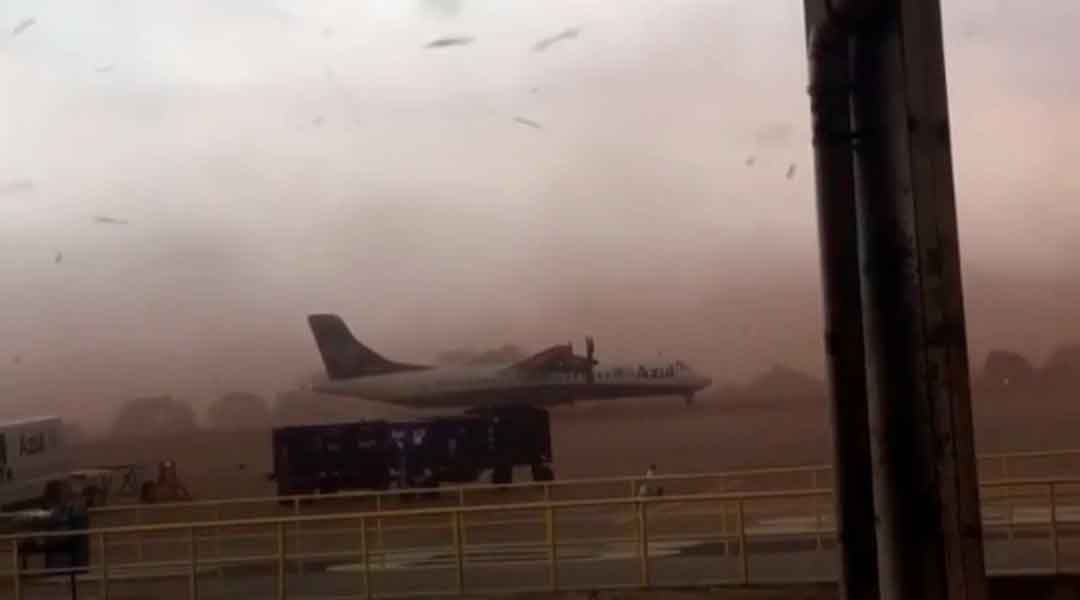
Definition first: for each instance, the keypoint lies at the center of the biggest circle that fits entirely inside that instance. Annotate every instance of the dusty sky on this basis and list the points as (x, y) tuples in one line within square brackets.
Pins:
[(278, 158)]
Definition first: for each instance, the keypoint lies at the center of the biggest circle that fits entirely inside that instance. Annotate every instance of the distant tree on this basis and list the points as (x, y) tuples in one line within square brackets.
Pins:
[(455, 357), (298, 405), (304, 407), (154, 416), (507, 353), (1059, 378), (238, 410), (782, 385), (1004, 368), (1006, 384), (1064, 358), (288, 407)]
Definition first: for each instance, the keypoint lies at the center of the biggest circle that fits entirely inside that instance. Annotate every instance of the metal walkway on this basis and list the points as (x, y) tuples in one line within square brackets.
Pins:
[(1032, 525)]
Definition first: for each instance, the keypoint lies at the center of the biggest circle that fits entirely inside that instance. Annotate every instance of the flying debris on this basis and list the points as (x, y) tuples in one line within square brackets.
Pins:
[(104, 68), (527, 122), (110, 221), (548, 42), (17, 359), (23, 26), (328, 32), (317, 121), (750, 160), (59, 257), (534, 90), (446, 42), (790, 171)]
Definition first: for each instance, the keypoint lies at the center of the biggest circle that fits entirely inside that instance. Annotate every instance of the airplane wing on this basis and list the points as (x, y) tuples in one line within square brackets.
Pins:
[(558, 359), (555, 358)]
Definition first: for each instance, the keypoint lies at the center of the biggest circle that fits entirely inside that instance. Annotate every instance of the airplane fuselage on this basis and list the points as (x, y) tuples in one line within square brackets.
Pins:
[(494, 385)]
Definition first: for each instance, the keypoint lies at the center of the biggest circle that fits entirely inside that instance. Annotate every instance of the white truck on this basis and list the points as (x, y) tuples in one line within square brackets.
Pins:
[(32, 453)]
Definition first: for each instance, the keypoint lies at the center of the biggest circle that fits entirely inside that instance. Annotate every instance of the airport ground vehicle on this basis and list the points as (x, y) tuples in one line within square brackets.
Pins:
[(376, 455), (130, 483), (167, 487), (32, 453), (112, 484)]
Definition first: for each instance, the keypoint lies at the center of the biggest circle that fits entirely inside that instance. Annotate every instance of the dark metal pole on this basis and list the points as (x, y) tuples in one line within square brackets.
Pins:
[(827, 47), (925, 487)]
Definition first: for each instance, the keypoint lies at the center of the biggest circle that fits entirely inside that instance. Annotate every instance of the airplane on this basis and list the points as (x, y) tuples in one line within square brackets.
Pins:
[(553, 376)]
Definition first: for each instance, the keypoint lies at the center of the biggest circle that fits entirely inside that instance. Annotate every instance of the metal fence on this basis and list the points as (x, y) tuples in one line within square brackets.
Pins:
[(992, 467), (709, 539)]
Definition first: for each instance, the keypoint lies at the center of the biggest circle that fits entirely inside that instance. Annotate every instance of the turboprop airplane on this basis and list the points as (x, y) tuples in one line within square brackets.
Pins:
[(553, 376)]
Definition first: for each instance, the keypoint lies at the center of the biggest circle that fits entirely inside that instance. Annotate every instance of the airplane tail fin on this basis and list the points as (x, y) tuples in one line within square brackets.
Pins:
[(343, 355)]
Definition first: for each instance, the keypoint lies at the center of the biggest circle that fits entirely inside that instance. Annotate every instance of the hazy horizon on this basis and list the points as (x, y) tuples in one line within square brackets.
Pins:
[(277, 158)]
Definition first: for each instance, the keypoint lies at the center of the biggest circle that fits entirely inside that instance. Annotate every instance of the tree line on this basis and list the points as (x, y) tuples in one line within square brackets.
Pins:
[(1005, 378)]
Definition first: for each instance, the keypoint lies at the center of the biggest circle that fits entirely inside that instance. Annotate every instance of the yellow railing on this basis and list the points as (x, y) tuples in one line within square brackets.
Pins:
[(991, 467), (739, 538)]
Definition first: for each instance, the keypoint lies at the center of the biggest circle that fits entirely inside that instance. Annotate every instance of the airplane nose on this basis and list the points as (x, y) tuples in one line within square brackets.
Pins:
[(706, 382)]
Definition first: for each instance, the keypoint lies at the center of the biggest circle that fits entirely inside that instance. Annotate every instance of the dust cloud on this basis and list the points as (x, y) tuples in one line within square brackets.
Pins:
[(399, 192)]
